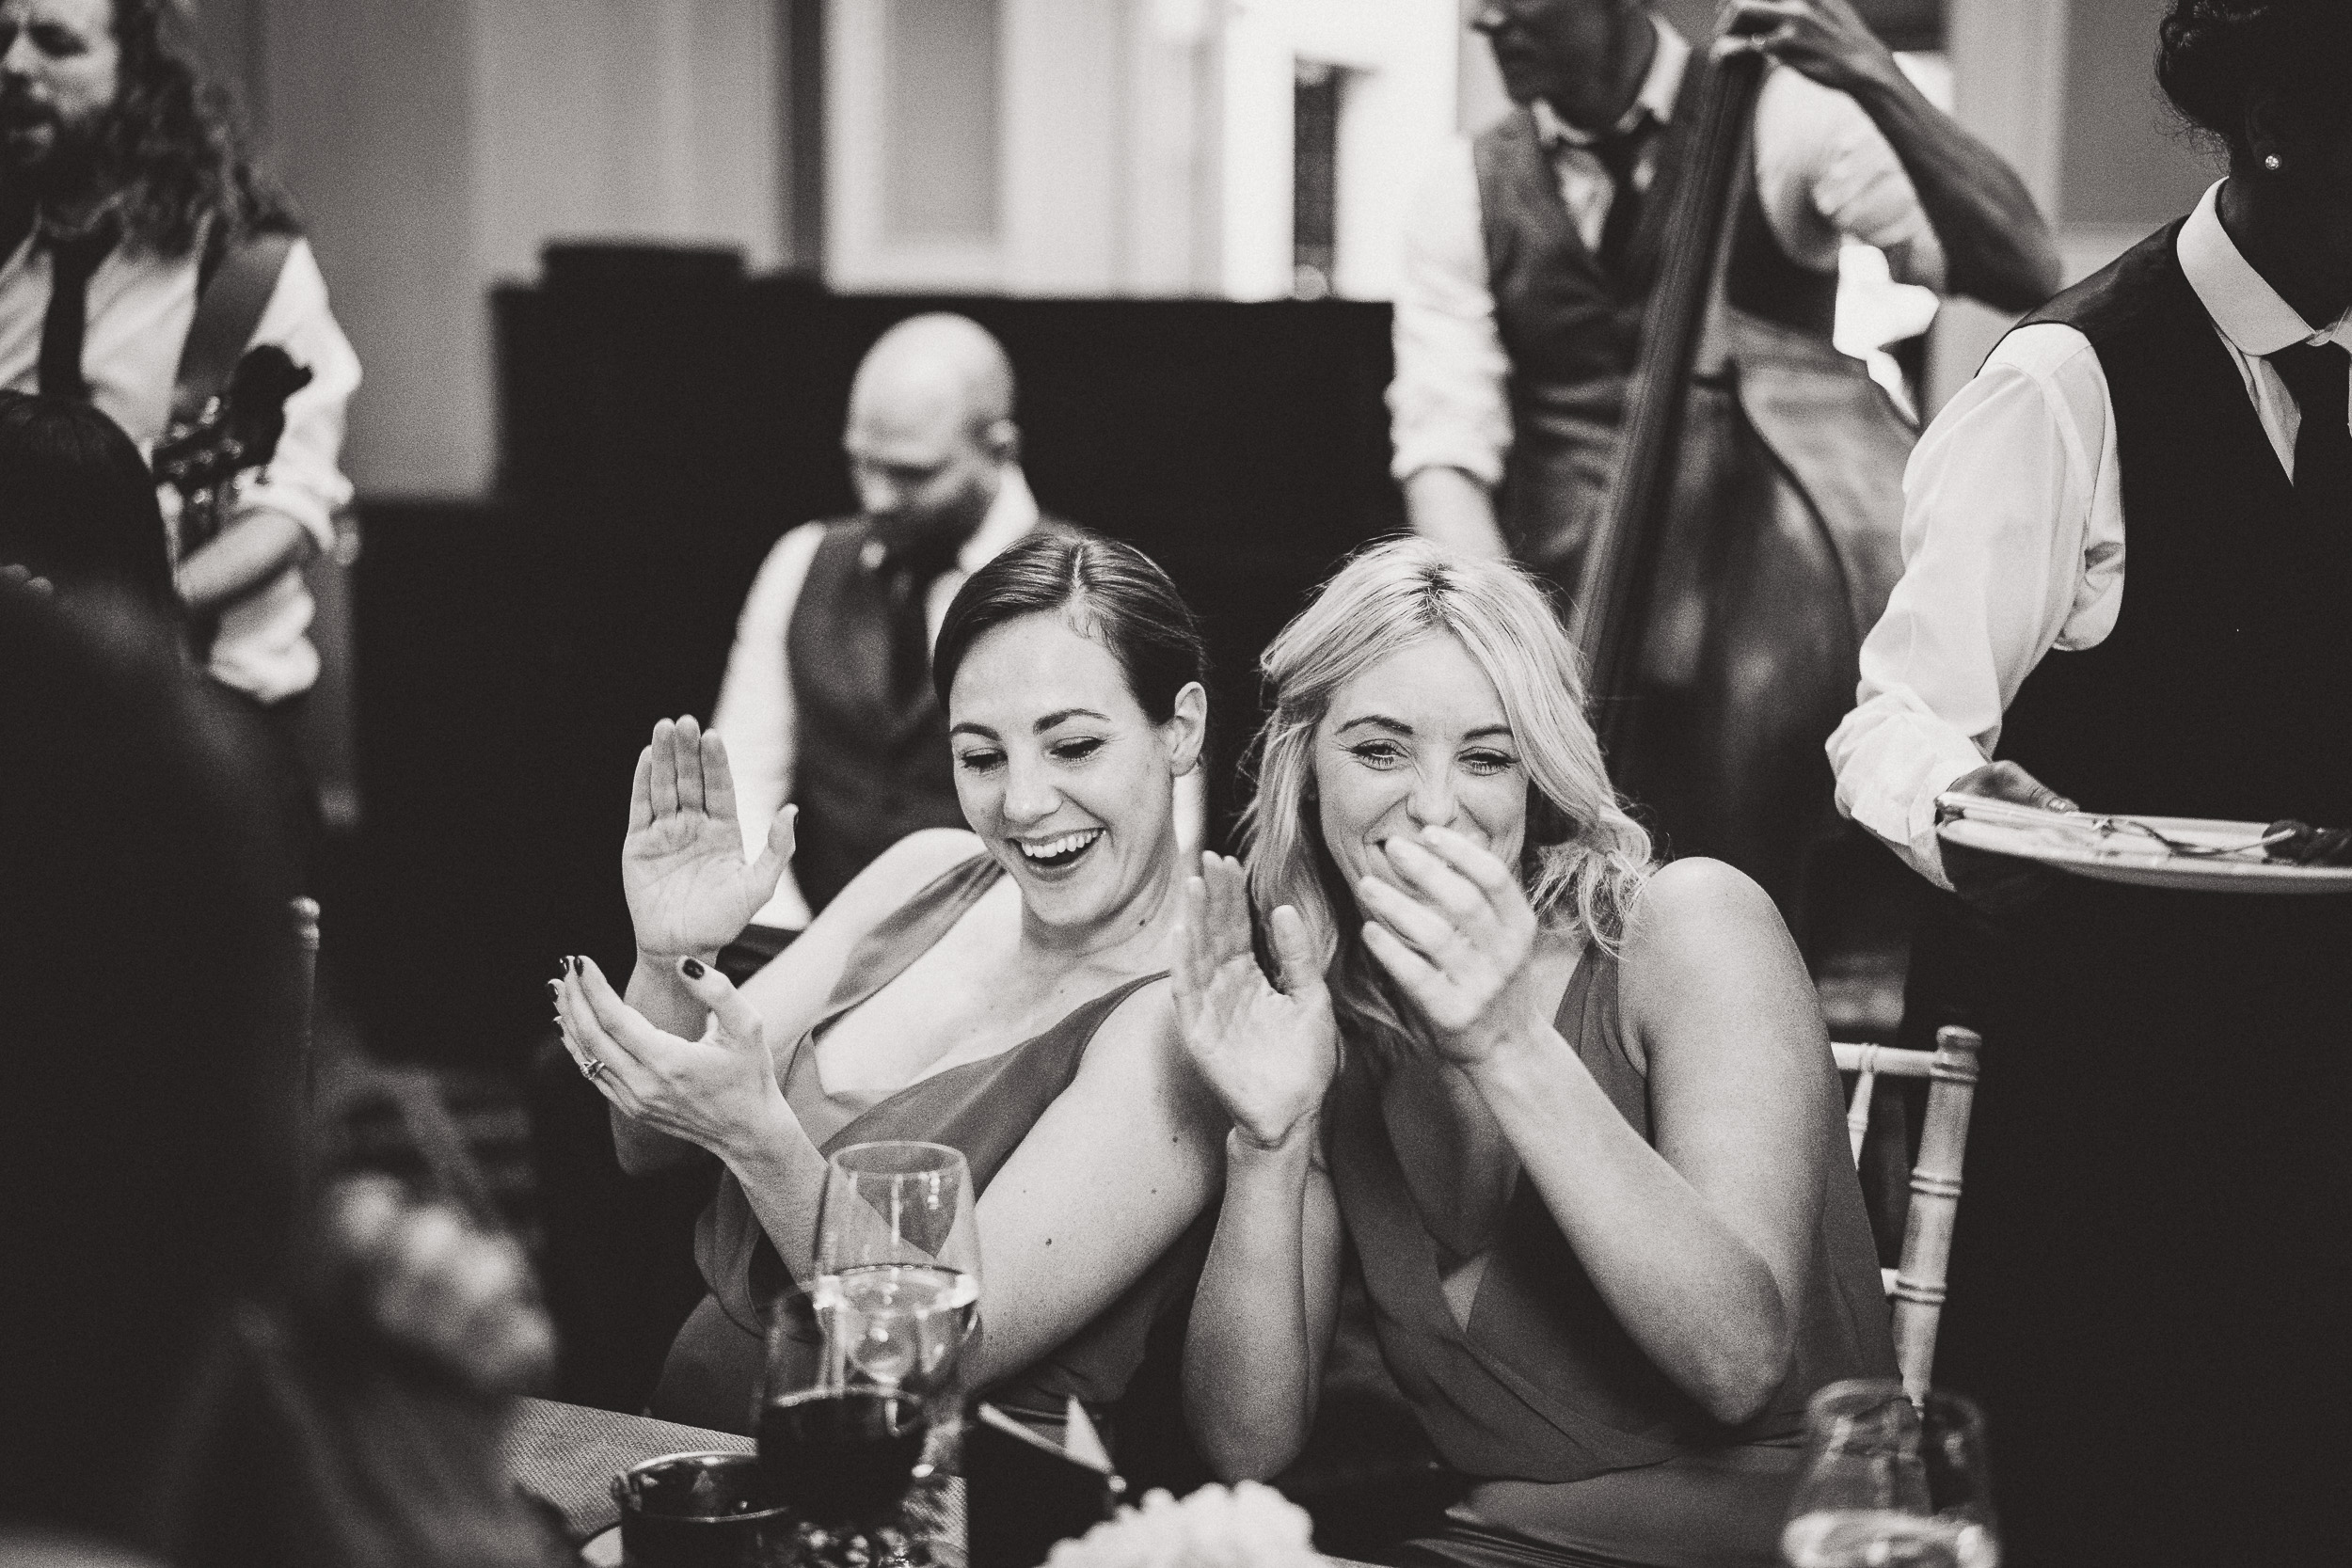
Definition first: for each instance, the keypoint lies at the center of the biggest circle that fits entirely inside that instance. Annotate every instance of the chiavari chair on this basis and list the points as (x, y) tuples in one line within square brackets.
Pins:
[(1916, 1284)]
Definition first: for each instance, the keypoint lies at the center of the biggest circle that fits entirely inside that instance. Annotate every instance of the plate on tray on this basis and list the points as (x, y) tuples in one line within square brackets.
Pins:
[(2105, 847)]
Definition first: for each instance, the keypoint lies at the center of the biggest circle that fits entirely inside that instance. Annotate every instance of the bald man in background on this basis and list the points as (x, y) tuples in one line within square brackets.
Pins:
[(827, 701)]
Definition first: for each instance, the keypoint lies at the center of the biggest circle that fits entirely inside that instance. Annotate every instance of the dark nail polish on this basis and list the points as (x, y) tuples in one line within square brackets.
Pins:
[(693, 968)]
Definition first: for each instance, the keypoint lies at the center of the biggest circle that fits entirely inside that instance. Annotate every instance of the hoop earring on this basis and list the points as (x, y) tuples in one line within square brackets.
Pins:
[(2272, 162)]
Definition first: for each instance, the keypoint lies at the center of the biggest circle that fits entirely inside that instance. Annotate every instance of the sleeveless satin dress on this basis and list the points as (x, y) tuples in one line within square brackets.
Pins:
[(984, 1108), (1581, 1450)]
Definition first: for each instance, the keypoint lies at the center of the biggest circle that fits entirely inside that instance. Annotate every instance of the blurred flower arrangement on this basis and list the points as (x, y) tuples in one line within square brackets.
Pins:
[(1247, 1526)]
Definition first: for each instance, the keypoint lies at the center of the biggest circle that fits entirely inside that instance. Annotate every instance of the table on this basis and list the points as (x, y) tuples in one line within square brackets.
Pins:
[(568, 1454)]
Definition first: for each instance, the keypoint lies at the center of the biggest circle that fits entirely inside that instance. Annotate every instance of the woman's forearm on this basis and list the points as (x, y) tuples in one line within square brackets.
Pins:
[(1697, 1298), (661, 997), (657, 994), (641, 1149), (1251, 1353), (783, 1175), (1996, 246)]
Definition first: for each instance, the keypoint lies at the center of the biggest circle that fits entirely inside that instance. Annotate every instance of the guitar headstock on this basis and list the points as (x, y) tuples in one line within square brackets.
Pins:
[(237, 430)]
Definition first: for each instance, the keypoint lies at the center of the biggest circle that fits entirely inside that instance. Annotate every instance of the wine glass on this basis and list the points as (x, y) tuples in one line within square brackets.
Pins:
[(1891, 1484), (856, 1398), (897, 1284)]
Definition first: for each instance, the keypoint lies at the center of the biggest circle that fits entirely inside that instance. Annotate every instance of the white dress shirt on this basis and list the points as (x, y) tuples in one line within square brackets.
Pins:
[(140, 309), (1823, 172), (2013, 543), (756, 714)]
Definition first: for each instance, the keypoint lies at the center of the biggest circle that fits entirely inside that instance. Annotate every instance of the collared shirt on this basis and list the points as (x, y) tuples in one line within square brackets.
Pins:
[(1823, 172), (2013, 542), (755, 716), (140, 309)]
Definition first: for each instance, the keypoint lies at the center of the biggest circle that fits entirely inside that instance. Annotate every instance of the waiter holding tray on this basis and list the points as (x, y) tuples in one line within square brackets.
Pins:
[(2128, 579)]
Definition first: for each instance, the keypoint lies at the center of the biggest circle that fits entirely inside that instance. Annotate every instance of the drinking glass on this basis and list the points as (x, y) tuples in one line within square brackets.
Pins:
[(898, 1284), (1890, 1484), (857, 1417)]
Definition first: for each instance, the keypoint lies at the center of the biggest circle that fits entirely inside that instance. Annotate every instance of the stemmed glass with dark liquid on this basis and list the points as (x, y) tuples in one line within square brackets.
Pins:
[(845, 1422)]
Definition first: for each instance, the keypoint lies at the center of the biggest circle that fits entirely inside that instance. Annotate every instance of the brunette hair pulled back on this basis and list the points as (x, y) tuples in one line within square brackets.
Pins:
[(2214, 57), (1113, 593)]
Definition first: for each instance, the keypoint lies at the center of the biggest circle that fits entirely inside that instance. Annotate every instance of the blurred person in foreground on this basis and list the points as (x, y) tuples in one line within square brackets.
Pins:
[(1575, 1110), (197, 1367), (142, 252), (2128, 550), (1525, 279), (1000, 988), (77, 506)]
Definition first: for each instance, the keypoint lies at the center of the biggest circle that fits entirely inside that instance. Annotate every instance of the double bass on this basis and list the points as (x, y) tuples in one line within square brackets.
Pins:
[(1749, 536)]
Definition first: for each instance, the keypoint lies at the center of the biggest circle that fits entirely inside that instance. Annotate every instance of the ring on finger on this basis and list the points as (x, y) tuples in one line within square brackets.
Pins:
[(592, 1067)]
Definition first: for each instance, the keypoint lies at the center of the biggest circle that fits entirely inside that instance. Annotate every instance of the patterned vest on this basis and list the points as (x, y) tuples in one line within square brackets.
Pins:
[(1571, 330)]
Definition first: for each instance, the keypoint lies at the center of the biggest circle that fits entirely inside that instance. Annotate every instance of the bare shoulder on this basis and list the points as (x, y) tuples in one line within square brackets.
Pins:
[(903, 870), (1139, 1049), (1705, 946), (1693, 905), (1142, 1028), (792, 988)]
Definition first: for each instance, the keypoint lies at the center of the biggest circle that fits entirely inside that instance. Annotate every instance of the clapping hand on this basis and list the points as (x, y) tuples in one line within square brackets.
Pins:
[(719, 1091), (690, 889), (1267, 1055), (1457, 936)]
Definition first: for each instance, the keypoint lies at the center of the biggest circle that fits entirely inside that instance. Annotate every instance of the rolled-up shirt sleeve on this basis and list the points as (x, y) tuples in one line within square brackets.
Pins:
[(1825, 171), (305, 479), (1448, 406), (2012, 546)]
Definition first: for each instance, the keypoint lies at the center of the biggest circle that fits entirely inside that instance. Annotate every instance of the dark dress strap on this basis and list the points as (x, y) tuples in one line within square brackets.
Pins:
[(985, 1109)]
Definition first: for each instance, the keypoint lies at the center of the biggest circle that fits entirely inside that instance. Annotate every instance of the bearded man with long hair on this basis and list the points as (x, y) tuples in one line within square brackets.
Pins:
[(136, 229)]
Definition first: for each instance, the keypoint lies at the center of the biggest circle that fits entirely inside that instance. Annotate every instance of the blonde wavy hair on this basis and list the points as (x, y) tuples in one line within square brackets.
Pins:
[(1585, 858)]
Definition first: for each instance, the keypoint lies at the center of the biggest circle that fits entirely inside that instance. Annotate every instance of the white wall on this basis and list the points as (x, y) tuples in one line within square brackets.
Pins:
[(1104, 146), (2008, 76), (1143, 146), (435, 146), (629, 119), (1397, 106)]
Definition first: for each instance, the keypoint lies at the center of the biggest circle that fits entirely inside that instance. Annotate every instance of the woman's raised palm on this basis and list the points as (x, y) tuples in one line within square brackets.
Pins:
[(690, 889), (1267, 1055)]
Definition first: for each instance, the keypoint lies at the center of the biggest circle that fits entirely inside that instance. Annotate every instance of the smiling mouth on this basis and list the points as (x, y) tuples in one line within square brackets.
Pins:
[(1051, 854)]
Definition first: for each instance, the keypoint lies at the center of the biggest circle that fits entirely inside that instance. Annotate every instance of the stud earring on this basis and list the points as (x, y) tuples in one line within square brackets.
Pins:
[(2272, 162)]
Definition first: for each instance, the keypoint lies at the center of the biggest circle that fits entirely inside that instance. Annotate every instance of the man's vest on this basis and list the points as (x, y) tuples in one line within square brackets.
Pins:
[(2217, 692), (1571, 330), (871, 764)]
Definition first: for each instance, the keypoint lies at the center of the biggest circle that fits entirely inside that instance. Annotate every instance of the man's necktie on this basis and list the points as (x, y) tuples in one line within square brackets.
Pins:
[(2320, 376), (907, 575), (71, 263), (1620, 154)]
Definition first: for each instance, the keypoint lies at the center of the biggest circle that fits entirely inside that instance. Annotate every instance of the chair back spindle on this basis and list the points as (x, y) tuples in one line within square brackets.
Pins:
[(305, 914)]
